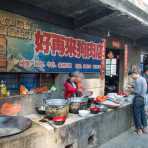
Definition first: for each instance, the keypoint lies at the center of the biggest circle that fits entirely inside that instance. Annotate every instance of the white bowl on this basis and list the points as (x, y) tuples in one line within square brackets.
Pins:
[(84, 113)]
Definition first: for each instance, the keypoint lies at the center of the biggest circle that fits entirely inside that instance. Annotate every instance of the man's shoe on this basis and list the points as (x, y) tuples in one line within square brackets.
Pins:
[(139, 132), (145, 130)]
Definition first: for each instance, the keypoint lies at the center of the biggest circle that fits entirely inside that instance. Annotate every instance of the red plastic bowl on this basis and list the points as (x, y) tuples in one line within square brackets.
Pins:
[(95, 110), (59, 119)]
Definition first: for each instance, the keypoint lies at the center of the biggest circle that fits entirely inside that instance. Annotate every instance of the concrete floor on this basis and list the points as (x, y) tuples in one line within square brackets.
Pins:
[(128, 139)]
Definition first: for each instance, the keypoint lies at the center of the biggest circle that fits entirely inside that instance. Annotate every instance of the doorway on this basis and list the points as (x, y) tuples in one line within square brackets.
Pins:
[(114, 70)]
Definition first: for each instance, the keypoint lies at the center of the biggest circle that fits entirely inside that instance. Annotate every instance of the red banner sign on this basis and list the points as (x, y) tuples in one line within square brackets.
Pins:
[(51, 43)]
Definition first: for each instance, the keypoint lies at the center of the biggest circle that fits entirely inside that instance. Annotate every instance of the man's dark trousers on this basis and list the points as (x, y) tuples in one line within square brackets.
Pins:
[(139, 112)]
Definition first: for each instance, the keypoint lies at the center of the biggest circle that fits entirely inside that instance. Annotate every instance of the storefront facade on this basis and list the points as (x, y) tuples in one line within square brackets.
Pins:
[(36, 54)]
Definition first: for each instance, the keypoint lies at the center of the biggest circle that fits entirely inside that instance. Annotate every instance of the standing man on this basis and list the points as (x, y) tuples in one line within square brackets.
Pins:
[(140, 90), (146, 74)]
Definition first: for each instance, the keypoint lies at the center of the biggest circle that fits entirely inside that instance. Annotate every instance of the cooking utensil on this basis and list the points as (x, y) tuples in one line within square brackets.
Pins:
[(46, 120), (41, 110), (57, 107), (78, 103), (12, 125)]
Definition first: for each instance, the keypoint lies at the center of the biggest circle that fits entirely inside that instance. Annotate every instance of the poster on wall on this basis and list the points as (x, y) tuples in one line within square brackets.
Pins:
[(34, 46), (3, 56), (111, 67)]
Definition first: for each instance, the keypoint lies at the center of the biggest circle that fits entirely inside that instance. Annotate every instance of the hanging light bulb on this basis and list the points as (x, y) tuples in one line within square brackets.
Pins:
[(108, 34)]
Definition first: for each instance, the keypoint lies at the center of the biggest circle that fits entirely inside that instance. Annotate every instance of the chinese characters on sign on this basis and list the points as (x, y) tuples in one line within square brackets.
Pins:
[(51, 43)]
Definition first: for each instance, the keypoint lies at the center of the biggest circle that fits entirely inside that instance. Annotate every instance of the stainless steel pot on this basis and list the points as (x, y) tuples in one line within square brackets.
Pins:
[(78, 103)]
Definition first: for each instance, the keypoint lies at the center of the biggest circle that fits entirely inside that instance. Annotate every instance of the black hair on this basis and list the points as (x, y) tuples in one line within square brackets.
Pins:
[(135, 72), (130, 72), (71, 75)]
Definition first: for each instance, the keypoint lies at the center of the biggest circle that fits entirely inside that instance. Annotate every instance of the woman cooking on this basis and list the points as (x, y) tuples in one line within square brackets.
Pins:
[(71, 88)]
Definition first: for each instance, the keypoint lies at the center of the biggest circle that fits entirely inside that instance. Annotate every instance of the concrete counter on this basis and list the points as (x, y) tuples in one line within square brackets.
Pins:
[(77, 132)]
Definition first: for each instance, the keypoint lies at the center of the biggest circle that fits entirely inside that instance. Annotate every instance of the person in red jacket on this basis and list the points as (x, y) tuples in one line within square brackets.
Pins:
[(70, 87)]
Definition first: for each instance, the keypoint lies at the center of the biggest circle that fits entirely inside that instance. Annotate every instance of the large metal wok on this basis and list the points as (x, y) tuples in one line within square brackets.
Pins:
[(12, 125)]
